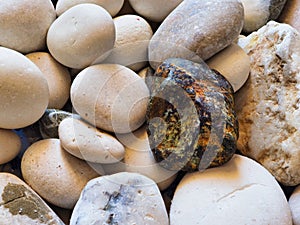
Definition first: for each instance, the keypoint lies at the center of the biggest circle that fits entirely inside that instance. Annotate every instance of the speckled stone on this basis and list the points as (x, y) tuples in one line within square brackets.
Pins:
[(190, 117), (196, 29)]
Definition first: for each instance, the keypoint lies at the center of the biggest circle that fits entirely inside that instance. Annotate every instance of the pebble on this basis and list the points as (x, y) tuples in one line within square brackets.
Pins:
[(58, 78), (19, 204), (112, 6), (233, 63), (54, 174), (239, 192), (259, 12), (122, 198), (81, 29), (154, 10), (10, 145), (268, 104), (110, 96), (24, 92), (24, 25), (133, 34), (294, 202), (291, 14), (87, 142), (196, 30), (190, 117)]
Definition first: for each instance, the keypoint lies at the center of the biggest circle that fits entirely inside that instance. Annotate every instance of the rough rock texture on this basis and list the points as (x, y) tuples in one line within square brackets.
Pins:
[(122, 198), (197, 29), (268, 104), (19, 204), (190, 116)]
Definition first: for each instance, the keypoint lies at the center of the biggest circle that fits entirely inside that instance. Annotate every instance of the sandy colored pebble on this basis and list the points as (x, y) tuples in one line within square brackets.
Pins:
[(133, 34), (24, 24), (291, 14), (233, 63), (54, 174), (24, 93), (294, 202), (81, 29), (58, 78), (110, 96), (239, 192), (87, 142), (10, 145)]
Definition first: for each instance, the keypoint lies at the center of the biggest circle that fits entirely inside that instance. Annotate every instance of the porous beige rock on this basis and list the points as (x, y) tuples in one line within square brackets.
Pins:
[(81, 36), (112, 6), (24, 25), (110, 96), (54, 174), (10, 145), (294, 202), (19, 204), (88, 143), (122, 198), (57, 76), (238, 192), (24, 92), (268, 104)]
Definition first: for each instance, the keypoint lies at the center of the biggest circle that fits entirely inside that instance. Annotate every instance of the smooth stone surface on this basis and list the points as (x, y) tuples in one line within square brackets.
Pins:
[(233, 63), (88, 143), (49, 122), (19, 204), (110, 96), (133, 34), (239, 192), (10, 145), (81, 29), (24, 92), (294, 202), (112, 6), (24, 26), (196, 30), (122, 198), (291, 14), (58, 78), (268, 104), (54, 174), (154, 10)]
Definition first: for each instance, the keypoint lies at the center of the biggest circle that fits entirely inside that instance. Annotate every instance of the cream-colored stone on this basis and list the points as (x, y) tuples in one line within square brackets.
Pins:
[(112, 6), (24, 92), (239, 192), (268, 104), (233, 63), (54, 174), (133, 34), (10, 145), (110, 96), (122, 198), (81, 36), (294, 202), (58, 78)]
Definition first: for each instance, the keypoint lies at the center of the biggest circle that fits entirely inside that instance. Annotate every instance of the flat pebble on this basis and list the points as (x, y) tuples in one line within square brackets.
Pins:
[(268, 104), (24, 93), (81, 29), (233, 63), (58, 78), (24, 25), (110, 96), (112, 6), (10, 145), (122, 198), (239, 192), (294, 202), (54, 174), (87, 142), (154, 10), (196, 30), (291, 14), (133, 34), (19, 204)]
